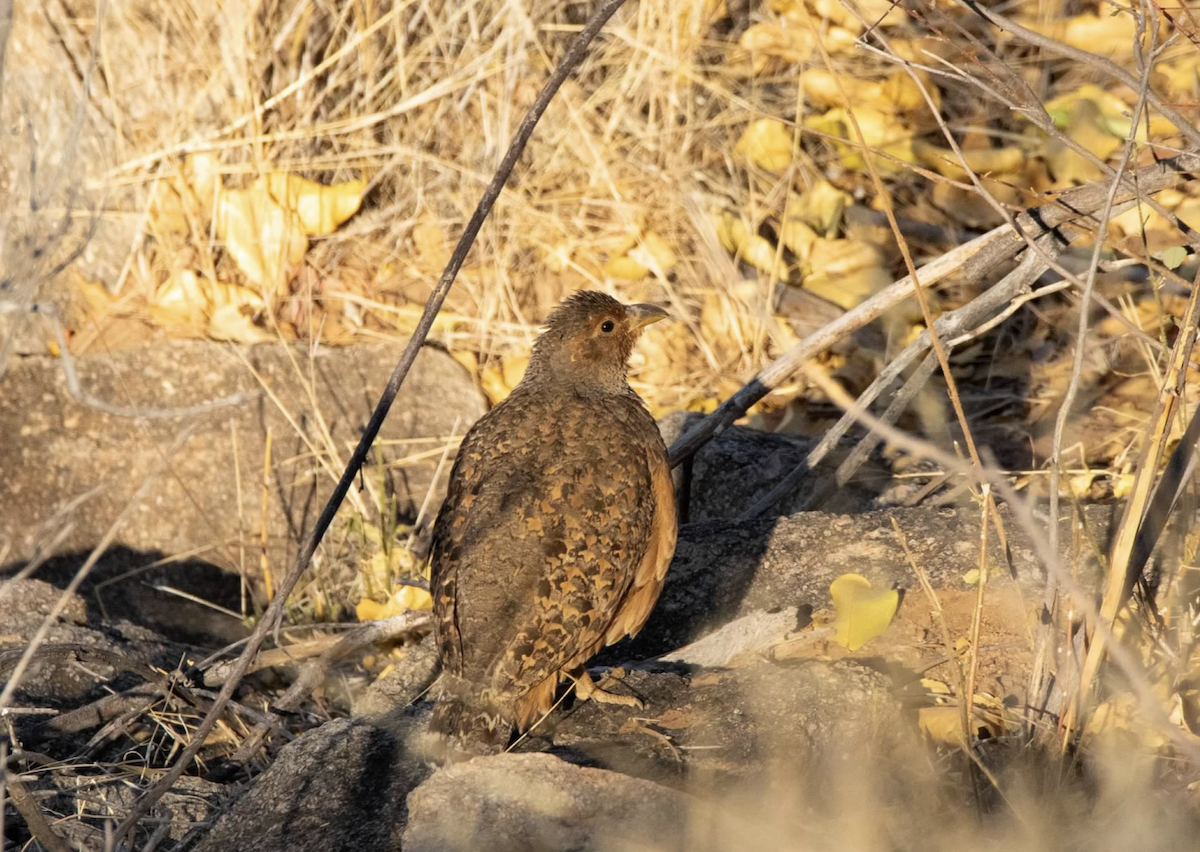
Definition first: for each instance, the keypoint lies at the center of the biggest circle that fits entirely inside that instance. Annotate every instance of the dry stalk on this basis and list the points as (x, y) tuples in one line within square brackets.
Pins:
[(1120, 561), (264, 558), (35, 820), (988, 507), (965, 696), (1125, 660), (1091, 60), (972, 259), (1047, 636), (312, 673), (237, 482), (957, 325)]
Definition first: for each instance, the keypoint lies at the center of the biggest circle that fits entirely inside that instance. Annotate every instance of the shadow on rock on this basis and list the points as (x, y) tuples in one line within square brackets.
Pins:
[(342, 787), (145, 589)]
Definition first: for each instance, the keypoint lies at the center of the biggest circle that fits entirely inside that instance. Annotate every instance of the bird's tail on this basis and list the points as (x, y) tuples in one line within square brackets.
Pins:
[(466, 723)]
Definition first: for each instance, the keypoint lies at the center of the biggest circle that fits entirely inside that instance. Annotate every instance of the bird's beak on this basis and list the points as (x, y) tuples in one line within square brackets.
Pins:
[(645, 313)]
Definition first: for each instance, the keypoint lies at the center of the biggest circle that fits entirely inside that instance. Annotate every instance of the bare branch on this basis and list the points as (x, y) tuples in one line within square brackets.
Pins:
[(971, 260)]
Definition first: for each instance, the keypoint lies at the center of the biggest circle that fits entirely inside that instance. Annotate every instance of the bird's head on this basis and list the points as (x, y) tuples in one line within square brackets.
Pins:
[(588, 340)]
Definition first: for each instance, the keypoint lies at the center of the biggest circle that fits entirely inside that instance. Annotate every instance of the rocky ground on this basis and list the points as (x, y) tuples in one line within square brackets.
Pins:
[(751, 717)]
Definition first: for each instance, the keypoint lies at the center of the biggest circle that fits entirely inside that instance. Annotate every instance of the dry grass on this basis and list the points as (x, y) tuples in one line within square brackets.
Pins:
[(420, 99)]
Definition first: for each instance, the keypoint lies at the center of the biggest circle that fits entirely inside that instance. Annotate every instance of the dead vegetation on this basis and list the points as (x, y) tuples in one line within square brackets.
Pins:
[(772, 171)]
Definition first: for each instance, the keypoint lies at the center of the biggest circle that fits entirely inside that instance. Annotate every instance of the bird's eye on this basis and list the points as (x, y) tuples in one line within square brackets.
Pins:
[(607, 326)]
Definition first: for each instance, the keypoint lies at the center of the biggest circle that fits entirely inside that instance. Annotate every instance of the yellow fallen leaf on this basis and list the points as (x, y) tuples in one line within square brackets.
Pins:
[(514, 366), (468, 359), (412, 598), (432, 248), (971, 578), (723, 226), (202, 172), (1182, 76), (1112, 35), (898, 93), (881, 131), (798, 237), (936, 687), (322, 209), (848, 290), (883, 13), (766, 143), (653, 252), (863, 613), (1080, 484), (368, 610), (180, 303), (821, 206), (1112, 114), (751, 248), (942, 723), (1122, 485), (184, 201), (233, 311), (981, 161), (625, 268), (1066, 165), (1189, 212), (766, 42), (498, 380), (167, 214), (266, 240), (843, 256), (405, 599)]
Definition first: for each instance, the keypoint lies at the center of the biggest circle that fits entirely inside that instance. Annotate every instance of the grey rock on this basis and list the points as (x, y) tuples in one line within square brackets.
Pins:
[(738, 639), (338, 788), (739, 466), (209, 502), (614, 774), (538, 803), (702, 729), (727, 570), (76, 660), (94, 800)]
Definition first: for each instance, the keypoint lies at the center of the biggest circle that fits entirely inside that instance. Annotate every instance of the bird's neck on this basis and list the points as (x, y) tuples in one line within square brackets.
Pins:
[(582, 378)]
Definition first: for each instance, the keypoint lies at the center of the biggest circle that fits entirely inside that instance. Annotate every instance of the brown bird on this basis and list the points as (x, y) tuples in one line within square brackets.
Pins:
[(556, 533)]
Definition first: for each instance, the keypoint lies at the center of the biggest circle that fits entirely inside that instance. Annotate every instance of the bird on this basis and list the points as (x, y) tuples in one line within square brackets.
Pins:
[(555, 536)]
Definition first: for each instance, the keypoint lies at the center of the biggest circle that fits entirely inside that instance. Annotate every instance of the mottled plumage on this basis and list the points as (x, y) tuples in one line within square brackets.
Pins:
[(557, 529)]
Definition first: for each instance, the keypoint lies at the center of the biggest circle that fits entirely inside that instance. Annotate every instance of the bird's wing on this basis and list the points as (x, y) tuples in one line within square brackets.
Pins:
[(473, 547), (648, 583), (597, 522), (490, 540)]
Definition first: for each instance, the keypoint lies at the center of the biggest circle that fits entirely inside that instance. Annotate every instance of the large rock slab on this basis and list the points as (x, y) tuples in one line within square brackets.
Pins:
[(704, 729), (538, 803), (741, 465), (725, 570), (68, 470), (338, 788)]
